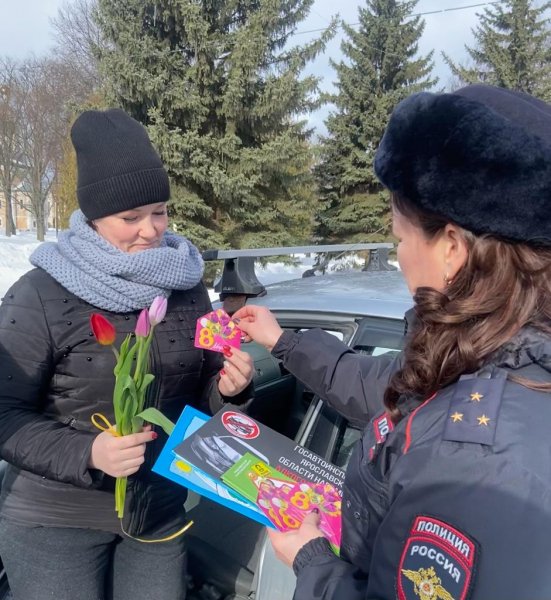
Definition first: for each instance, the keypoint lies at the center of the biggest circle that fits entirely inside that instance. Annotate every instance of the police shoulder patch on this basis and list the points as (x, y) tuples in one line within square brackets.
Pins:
[(382, 426), (437, 563)]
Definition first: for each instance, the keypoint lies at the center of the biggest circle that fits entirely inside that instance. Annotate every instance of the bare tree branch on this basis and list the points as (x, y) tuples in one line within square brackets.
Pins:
[(11, 108), (47, 90), (79, 41)]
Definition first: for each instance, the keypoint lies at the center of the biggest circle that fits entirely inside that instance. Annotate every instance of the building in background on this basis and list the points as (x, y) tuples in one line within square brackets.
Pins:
[(21, 209)]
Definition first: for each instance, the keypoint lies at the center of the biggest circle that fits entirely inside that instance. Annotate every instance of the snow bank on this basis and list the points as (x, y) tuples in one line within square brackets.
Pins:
[(14, 256)]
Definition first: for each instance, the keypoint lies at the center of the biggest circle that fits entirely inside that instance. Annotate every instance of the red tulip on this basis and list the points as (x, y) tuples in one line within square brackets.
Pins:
[(103, 330)]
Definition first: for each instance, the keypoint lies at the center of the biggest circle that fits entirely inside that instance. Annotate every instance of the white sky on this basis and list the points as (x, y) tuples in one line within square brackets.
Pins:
[(25, 25), (25, 29)]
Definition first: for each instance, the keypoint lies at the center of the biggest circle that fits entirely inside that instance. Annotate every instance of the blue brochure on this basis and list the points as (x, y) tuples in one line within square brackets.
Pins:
[(183, 473)]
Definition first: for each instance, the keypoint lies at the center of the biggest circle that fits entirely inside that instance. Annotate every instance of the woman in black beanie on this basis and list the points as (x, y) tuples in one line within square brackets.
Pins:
[(448, 493), (59, 533)]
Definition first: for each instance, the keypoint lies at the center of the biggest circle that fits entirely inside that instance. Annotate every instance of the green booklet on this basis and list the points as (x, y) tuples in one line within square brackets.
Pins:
[(249, 473)]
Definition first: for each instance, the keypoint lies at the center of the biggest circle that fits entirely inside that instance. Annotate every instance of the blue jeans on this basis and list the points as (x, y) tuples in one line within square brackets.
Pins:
[(84, 564)]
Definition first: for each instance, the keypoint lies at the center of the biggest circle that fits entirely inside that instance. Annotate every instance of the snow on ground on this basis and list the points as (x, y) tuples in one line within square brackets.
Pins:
[(14, 256)]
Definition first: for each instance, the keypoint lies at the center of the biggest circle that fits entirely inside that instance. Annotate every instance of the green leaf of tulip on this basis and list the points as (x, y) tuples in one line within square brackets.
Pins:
[(152, 415), (146, 380)]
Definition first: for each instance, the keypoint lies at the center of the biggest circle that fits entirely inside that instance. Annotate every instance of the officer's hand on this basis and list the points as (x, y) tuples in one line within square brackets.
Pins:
[(287, 545), (120, 456), (258, 324), (237, 373)]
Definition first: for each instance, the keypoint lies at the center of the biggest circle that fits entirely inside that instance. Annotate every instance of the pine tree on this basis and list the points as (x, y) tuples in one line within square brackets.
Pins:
[(381, 68), (513, 49), (220, 88)]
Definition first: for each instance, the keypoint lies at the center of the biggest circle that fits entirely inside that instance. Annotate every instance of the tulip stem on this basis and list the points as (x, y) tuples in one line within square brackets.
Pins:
[(120, 495)]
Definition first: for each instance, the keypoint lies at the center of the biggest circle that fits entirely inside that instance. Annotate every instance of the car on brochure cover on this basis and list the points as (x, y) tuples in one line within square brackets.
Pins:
[(222, 452), (230, 556)]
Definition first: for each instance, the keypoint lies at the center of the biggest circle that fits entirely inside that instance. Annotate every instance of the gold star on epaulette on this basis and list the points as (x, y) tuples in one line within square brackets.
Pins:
[(483, 420), (473, 410), (457, 416)]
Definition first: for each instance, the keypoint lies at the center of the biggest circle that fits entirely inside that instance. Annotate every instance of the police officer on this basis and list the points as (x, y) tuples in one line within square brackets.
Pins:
[(448, 493)]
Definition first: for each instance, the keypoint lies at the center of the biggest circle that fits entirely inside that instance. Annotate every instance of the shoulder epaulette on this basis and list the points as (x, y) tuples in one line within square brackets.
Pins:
[(474, 409)]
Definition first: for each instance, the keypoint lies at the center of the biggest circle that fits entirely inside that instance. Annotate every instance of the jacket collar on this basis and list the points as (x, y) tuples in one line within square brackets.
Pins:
[(530, 346)]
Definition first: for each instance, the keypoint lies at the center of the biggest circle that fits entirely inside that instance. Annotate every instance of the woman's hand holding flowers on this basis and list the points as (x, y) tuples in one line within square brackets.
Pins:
[(237, 373), (120, 456)]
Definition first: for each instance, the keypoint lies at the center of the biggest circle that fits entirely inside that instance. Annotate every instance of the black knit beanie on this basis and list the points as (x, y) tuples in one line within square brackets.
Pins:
[(118, 168), (480, 157)]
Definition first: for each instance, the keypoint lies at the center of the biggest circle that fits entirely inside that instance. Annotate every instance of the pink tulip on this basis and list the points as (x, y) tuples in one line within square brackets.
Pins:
[(157, 310), (143, 326)]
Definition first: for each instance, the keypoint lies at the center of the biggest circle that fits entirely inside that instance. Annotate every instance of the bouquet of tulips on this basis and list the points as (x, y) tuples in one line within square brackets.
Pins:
[(131, 380)]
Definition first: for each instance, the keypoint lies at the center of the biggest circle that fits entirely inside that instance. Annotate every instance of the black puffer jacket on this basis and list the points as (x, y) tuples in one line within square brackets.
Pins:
[(55, 376)]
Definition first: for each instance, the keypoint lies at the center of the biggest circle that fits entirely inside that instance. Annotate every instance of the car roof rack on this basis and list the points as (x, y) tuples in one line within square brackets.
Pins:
[(378, 260), (239, 281)]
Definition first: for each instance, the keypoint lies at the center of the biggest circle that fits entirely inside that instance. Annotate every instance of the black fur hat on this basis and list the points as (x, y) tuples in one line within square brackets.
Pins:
[(118, 168), (480, 156)]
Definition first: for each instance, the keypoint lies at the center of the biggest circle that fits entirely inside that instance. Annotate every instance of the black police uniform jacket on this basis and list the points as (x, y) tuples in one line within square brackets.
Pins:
[(455, 500), (55, 375)]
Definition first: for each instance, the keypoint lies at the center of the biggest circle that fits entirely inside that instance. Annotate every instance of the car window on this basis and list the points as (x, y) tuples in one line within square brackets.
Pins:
[(348, 436), (331, 435), (338, 334)]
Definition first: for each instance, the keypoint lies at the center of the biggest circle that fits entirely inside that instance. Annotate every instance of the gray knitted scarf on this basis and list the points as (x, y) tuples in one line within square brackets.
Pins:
[(94, 270)]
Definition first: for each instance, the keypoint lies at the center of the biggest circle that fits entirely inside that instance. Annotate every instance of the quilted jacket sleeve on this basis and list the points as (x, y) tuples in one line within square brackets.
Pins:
[(352, 383), (323, 576), (28, 439)]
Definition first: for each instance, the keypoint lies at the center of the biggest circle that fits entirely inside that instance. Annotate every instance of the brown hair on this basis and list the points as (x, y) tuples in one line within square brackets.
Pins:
[(501, 288)]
